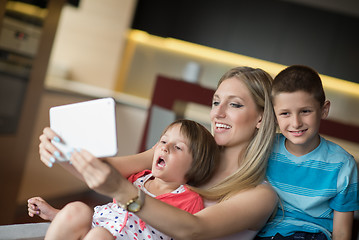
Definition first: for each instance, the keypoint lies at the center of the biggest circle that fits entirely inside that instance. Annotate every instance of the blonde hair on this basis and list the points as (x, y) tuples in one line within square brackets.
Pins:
[(253, 165)]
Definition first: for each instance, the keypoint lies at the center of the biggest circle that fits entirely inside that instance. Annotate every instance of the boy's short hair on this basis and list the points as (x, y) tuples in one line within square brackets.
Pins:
[(204, 150), (299, 77)]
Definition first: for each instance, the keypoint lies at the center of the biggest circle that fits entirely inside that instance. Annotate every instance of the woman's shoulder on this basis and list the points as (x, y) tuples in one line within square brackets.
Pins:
[(264, 190), (267, 189), (263, 197)]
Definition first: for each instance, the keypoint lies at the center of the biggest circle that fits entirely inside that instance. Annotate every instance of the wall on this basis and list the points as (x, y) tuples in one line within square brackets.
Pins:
[(278, 31), (349, 7), (89, 41)]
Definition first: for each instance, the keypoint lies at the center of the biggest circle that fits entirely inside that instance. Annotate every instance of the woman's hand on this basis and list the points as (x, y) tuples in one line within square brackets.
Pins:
[(99, 175), (48, 152)]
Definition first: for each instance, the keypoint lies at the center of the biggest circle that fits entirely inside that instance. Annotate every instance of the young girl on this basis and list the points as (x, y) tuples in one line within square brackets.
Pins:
[(186, 153)]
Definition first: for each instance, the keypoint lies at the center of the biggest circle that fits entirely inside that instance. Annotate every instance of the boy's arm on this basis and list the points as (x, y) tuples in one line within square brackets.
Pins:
[(342, 225)]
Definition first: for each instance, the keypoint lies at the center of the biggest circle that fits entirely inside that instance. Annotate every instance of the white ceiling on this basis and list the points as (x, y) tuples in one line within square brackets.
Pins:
[(349, 7)]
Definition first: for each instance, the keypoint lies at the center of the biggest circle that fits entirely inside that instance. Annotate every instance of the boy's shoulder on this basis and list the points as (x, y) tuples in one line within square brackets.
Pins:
[(333, 148), (333, 153)]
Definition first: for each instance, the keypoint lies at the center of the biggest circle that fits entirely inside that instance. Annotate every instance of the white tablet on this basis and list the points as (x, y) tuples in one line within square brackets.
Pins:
[(89, 125)]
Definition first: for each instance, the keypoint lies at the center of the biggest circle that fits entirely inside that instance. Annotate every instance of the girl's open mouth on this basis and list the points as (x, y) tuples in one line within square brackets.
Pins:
[(161, 162)]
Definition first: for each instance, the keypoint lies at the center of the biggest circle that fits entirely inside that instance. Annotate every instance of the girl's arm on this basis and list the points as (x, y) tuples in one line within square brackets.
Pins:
[(248, 209), (342, 225), (38, 206)]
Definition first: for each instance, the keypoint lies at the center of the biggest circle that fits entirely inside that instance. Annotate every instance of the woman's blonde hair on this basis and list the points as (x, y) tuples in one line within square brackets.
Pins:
[(253, 165)]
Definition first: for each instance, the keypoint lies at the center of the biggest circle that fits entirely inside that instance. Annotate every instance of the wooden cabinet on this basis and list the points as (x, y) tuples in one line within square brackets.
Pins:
[(19, 101)]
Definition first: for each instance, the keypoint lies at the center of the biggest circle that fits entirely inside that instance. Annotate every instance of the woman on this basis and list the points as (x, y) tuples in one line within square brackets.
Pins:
[(239, 200)]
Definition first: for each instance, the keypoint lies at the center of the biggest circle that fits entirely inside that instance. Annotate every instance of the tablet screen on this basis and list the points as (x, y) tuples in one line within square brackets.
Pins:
[(89, 125)]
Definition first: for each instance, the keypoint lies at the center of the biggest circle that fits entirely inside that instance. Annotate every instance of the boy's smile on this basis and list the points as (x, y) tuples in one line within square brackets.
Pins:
[(298, 115), (298, 133)]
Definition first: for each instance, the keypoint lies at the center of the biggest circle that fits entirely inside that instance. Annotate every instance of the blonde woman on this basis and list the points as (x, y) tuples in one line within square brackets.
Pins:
[(238, 199)]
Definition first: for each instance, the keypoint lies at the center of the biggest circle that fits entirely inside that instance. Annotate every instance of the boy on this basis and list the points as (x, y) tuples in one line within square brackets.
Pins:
[(316, 180)]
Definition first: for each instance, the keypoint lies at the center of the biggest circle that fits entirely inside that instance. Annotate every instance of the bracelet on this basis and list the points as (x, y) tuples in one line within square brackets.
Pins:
[(135, 204)]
